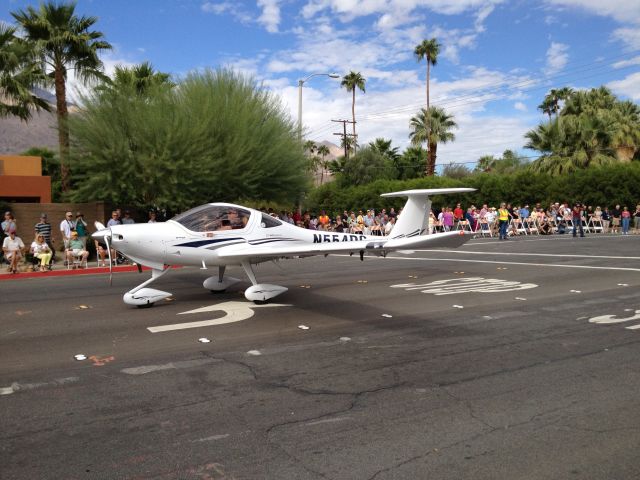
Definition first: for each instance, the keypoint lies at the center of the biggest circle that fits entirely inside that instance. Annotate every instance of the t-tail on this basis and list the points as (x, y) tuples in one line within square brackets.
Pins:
[(414, 220)]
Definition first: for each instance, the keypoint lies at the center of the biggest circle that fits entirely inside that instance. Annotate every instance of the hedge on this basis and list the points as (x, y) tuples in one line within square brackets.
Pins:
[(598, 186)]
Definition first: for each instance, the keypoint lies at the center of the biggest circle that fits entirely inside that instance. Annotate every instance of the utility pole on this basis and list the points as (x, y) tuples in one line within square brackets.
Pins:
[(345, 135)]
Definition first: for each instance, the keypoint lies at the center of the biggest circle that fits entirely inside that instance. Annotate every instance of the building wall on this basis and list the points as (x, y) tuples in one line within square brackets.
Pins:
[(21, 179), (20, 165)]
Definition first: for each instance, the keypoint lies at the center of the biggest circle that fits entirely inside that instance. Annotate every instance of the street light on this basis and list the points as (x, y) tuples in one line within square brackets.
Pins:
[(300, 84)]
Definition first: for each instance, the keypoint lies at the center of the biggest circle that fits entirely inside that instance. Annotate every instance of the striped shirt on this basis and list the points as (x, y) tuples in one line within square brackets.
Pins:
[(44, 229)]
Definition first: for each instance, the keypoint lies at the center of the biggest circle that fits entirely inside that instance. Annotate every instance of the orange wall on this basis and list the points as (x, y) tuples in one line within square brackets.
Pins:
[(13, 186), (20, 165)]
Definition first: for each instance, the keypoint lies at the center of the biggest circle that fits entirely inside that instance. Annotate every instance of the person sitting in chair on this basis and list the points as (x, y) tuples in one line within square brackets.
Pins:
[(76, 249), (42, 252), (13, 247)]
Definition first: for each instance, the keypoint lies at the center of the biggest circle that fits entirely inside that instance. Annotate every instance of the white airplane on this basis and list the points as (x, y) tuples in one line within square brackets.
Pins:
[(223, 234)]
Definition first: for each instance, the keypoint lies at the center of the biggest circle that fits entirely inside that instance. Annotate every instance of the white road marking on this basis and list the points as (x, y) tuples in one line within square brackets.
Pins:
[(633, 327), (235, 312), (144, 369), (585, 267), (328, 420), (609, 319), (15, 386), (467, 285), (211, 438), (471, 252), (255, 353)]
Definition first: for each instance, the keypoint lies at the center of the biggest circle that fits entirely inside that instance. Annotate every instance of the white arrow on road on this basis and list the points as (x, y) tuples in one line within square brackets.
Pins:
[(234, 312), (609, 319)]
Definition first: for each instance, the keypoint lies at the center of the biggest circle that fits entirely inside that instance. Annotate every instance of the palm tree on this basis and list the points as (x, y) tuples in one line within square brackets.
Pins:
[(310, 147), (428, 50), (139, 77), (19, 73), (383, 147), (432, 127), (485, 163), (65, 43), (323, 151), (351, 81), (626, 138)]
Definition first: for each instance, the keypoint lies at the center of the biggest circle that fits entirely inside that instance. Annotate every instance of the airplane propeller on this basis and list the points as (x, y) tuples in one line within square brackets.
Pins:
[(104, 234)]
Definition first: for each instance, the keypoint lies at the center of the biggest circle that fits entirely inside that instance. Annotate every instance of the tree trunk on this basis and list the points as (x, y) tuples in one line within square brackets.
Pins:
[(63, 128), (427, 119), (431, 166), (353, 115)]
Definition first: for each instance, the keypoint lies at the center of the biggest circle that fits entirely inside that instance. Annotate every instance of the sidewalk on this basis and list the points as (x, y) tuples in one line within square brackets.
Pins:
[(60, 270)]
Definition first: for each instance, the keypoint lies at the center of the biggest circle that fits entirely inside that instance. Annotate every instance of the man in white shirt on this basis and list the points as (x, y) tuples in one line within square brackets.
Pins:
[(13, 248), (66, 227)]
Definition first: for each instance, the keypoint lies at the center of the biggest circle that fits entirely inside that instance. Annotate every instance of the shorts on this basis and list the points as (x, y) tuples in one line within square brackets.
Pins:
[(615, 222)]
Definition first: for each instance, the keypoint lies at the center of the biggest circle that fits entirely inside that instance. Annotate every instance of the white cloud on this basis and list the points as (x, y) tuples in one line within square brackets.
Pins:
[(218, 8), (520, 106), (557, 58), (629, 36), (627, 63), (270, 17), (624, 11), (629, 86)]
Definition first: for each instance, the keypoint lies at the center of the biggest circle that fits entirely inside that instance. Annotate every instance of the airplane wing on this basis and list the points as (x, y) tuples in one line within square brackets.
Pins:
[(370, 246)]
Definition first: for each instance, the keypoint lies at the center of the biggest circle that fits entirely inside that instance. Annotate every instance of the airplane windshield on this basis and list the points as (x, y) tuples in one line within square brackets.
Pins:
[(212, 218)]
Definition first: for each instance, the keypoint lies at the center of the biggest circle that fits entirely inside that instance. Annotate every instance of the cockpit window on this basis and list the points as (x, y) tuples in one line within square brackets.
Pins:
[(212, 218), (267, 221)]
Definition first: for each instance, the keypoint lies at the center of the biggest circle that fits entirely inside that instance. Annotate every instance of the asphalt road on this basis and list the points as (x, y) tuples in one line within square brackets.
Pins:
[(503, 360)]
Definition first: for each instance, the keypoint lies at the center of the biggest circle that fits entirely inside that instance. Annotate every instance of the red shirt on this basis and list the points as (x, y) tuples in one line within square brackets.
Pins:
[(458, 213)]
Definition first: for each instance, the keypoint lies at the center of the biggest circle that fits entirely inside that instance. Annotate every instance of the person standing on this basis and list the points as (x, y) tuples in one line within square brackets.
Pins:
[(152, 217), (626, 220), (66, 227), (114, 220), (127, 220), (8, 223), (636, 220), (43, 227), (576, 218), (81, 228), (616, 214), (503, 220)]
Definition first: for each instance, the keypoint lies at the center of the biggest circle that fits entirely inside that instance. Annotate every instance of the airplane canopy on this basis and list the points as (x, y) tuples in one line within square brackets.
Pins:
[(211, 218)]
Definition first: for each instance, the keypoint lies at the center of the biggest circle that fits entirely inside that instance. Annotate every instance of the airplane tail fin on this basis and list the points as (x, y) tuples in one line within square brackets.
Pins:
[(415, 214)]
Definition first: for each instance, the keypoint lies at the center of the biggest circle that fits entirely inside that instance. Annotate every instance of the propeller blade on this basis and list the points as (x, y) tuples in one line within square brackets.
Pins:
[(106, 240), (139, 267), (99, 226)]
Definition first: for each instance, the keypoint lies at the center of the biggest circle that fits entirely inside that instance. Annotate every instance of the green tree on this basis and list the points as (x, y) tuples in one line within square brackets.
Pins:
[(139, 77), (432, 127), (592, 128), (19, 73), (352, 81), (456, 170), (64, 42), (411, 163), (365, 167), (485, 164), (383, 146), (323, 151), (429, 50), (216, 136)]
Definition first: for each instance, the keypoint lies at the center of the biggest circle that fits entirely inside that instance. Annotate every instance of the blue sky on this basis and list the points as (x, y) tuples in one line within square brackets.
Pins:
[(497, 61)]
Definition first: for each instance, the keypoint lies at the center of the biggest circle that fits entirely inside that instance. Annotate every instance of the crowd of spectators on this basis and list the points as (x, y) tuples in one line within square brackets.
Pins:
[(74, 232), (503, 221), (557, 218)]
